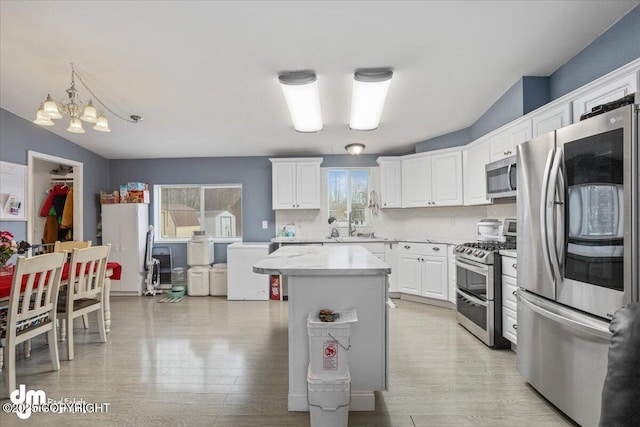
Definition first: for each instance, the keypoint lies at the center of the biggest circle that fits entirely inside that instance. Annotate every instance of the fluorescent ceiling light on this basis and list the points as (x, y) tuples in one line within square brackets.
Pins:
[(301, 93), (369, 93)]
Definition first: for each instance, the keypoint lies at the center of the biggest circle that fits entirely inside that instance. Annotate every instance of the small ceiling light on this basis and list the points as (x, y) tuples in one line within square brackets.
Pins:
[(50, 109), (300, 89), (355, 149), (369, 93), (42, 118)]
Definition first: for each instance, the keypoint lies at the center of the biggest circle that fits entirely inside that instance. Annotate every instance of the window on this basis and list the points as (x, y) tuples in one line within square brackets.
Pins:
[(348, 191), (183, 209)]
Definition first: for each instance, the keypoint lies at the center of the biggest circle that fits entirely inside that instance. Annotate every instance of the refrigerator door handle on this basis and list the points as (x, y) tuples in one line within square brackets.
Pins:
[(546, 310), (555, 200), (544, 211)]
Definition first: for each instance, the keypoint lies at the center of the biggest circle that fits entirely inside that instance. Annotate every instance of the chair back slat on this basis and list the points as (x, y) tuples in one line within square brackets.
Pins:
[(87, 272), (42, 274)]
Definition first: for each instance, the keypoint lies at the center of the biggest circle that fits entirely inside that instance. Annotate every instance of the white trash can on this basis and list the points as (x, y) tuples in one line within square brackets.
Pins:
[(218, 280), (198, 281), (329, 343), (329, 400)]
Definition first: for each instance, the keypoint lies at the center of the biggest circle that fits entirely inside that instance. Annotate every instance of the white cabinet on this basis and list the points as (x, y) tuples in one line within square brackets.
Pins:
[(391, 258), (390, 182), (452, 273), (432, 180), (603, 94), (509, 301), (125, 226), (503, 144), (296, 183), (474, 159), (551, 119), (423, 269)]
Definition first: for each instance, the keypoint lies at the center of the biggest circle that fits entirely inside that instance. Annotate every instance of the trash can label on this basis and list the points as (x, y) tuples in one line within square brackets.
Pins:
[(330, 355)]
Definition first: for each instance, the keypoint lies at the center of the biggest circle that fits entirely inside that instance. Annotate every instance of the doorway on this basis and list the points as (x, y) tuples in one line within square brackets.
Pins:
[(41, 181)]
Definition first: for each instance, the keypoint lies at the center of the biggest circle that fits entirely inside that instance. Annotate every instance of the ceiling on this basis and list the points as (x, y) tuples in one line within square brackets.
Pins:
[(204, 74)]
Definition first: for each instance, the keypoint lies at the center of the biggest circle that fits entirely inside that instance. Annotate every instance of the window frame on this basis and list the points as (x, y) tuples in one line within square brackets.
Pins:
[(367, 216), (157, 191)]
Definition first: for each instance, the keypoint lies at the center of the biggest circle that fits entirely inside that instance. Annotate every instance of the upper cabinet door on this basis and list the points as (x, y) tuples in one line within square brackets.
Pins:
[(416, 182), (552, 119), (606, 93), (474, 160), (390, 183), (446, 179), (296, 183), (284, 185), (503, 144), (308, 185)]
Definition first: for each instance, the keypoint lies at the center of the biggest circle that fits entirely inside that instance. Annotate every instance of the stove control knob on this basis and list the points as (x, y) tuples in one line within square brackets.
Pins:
[(469, 250)]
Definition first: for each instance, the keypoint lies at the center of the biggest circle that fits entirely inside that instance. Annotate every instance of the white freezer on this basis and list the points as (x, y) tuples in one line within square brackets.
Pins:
[(242, 282)]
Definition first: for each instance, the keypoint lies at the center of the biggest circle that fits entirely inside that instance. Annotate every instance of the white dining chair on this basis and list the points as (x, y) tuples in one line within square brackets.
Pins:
[(69, 246), (32, 309), (85, 291)]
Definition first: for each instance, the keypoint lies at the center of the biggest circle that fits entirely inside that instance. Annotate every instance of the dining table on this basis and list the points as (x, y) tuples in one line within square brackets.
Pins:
[(113, 272)]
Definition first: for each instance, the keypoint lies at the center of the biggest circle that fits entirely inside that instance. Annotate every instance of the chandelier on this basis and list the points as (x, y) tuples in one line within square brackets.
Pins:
[(77, 111)]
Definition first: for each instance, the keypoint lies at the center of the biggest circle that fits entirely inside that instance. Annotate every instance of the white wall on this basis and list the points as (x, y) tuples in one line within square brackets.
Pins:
[(451, 223)]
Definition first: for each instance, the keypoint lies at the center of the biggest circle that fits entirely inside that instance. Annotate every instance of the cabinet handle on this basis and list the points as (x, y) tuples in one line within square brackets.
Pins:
[(435, 249), (514, 293), (515, 266), (385, 204), (407, 247), (515, 326), (293, 206)]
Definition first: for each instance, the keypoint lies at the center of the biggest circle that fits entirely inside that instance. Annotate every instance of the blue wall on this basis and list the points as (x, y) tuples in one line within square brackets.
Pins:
[(616, 47), (254, 173), (18, 135)]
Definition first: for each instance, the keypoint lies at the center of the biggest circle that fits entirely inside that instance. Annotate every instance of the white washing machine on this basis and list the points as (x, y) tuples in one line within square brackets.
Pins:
[(242, 282)]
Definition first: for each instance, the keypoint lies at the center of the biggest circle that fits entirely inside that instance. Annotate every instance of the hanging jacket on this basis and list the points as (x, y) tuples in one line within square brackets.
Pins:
[(51, 229), (57, 190), (67, 212)]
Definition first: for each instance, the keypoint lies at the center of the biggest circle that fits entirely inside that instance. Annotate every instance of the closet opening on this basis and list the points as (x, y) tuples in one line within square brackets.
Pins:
[(51, 176)]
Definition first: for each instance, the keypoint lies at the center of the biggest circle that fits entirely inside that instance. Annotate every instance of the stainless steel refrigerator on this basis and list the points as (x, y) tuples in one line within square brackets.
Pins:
[(578, 254)]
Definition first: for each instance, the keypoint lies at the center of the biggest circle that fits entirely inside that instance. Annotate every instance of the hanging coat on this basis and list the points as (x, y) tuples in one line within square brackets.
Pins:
[(57, 190), (67, 212), (50, 234)]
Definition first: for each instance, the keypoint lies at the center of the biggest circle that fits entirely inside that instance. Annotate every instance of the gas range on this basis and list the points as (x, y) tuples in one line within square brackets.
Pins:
[(483, 251)]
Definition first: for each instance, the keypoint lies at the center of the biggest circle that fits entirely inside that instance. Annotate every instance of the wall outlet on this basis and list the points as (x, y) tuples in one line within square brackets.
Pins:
[(265, 225)]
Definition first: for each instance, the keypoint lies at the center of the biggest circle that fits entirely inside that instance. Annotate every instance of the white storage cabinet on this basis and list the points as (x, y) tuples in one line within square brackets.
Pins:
[(124, 226), (432, 180), (390, 182), (243, 283), (509, 301), (296, 183), (474, 159), (423, 269)]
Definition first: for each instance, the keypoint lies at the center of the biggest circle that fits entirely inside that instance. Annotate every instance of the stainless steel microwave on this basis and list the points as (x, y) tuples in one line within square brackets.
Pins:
[(501, 178)]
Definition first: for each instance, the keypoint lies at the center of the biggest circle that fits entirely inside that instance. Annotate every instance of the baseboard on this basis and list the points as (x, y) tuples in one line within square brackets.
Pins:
[(426, 300)]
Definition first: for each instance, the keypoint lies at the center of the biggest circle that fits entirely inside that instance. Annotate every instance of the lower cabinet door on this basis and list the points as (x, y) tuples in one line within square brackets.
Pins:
[(510, 324), (410, 274), (434, 277)]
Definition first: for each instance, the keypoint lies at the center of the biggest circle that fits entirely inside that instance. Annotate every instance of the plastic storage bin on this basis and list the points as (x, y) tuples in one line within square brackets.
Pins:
[(198, 281), (200, 250), (329, 400), (329, 343), (218, 280)]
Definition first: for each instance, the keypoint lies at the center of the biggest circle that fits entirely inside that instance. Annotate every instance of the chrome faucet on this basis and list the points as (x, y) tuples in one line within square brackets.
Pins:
[(352, 229)]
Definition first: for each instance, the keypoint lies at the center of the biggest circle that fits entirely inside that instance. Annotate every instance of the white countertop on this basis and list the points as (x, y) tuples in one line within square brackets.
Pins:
[(509, 252), (330, 260), (303, 240)]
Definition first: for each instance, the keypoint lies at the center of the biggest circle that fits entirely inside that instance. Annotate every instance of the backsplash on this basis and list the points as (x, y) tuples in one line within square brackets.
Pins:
[(452, 223)]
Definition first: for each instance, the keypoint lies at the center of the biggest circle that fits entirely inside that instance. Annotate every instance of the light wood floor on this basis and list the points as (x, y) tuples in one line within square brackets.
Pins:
[(205, 361)]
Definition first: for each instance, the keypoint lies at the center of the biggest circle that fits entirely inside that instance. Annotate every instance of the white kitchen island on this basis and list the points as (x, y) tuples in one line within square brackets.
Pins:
[(339, 278)]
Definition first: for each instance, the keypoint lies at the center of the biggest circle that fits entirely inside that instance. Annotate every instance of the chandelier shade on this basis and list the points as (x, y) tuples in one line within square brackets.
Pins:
[(77, 110)]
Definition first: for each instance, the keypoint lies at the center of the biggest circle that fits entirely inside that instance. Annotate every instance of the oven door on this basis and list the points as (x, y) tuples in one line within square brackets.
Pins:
[(475, 315), (475, 278)]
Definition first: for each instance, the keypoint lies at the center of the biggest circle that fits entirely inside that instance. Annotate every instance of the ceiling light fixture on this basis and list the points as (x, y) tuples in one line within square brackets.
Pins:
[(355, 148), (369, 93), (300, 89), (77, 110)]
